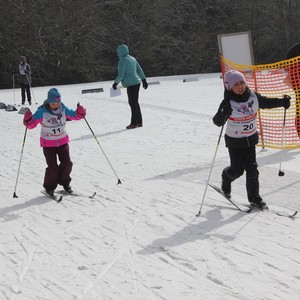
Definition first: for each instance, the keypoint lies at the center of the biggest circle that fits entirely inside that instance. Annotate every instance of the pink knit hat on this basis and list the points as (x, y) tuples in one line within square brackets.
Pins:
[(231, 77)]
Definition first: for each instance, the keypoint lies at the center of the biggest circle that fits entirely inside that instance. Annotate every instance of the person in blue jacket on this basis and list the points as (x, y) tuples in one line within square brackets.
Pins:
[(54, 139), (130, 74)]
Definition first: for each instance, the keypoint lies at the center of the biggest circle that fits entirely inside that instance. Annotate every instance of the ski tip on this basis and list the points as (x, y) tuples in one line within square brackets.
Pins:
[(54, 197), (294, 214), (92, 196), (291, 216), (59, 199)]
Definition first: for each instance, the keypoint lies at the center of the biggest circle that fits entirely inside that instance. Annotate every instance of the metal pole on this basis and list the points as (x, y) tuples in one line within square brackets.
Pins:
[(15, 195), (14, 89), (281, 173), (212, 164), (31, 91), (119, 181)]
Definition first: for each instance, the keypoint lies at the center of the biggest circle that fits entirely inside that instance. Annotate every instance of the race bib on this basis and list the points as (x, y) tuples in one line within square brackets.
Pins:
[(242, 122)]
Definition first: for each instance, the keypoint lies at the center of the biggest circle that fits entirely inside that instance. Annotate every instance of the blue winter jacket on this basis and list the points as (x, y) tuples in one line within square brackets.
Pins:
[(129, 70)]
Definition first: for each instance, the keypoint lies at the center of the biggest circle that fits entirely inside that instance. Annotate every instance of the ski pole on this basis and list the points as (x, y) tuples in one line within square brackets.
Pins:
[(15, 195), (212, 164), (31, 88), (281, 173), (119, 181), (13, 76)]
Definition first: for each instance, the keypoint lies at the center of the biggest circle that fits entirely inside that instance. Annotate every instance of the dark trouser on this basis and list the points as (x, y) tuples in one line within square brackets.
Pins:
[(25, 88), (243, 159), (133, 100), (297, 116), (57, 174)]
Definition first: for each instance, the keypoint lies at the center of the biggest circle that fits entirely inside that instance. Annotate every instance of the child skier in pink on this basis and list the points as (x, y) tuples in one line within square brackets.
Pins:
[(52, 116)]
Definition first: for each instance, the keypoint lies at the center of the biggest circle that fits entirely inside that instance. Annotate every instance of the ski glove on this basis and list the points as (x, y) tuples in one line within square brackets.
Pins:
[(286, 101), (80, 112), (27, 120), (226, 110), (145, 83), (114, 86)]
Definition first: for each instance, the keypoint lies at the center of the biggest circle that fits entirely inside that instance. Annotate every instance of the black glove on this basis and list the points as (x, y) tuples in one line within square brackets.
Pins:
[(226, 110), (114, 86), (145, 83), (286, 101)]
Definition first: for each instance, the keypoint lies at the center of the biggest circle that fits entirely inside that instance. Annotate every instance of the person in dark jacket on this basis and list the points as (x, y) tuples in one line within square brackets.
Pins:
[(25, 79), (294, 80), (239, 109), (130, 74)]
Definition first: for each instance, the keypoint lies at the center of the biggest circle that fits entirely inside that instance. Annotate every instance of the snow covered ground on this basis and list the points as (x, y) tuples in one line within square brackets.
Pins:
[(141, 239)]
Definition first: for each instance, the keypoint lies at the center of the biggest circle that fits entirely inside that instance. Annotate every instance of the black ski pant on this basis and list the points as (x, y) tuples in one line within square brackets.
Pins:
[(243, 159), (133, 101), (57, 173), (25, 88)]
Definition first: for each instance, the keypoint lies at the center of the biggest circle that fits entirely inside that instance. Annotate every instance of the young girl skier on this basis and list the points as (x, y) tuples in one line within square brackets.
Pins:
[(239, 108), (52, 116)]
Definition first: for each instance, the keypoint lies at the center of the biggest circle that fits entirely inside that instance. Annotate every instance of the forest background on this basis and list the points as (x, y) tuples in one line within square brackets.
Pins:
[(68, 41)]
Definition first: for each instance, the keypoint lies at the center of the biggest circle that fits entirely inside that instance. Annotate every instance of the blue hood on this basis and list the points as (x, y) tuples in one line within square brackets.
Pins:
[(122, 51)]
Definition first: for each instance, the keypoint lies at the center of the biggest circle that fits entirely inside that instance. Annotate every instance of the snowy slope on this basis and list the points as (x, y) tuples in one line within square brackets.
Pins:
[(141, 239)]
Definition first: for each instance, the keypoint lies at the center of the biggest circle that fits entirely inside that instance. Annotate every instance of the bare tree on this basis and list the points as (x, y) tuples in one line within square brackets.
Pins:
[(71, 41)]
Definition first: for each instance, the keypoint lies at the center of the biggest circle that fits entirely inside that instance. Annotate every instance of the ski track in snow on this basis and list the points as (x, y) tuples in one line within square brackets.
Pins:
[(141, 239)]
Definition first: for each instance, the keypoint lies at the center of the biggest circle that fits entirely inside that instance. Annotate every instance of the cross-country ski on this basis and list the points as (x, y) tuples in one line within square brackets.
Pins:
[(238, 207), (57, 198), (76, 194)]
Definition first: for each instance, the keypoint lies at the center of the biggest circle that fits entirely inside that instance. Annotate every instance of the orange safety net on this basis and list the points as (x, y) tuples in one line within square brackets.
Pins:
[(273, 81)]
